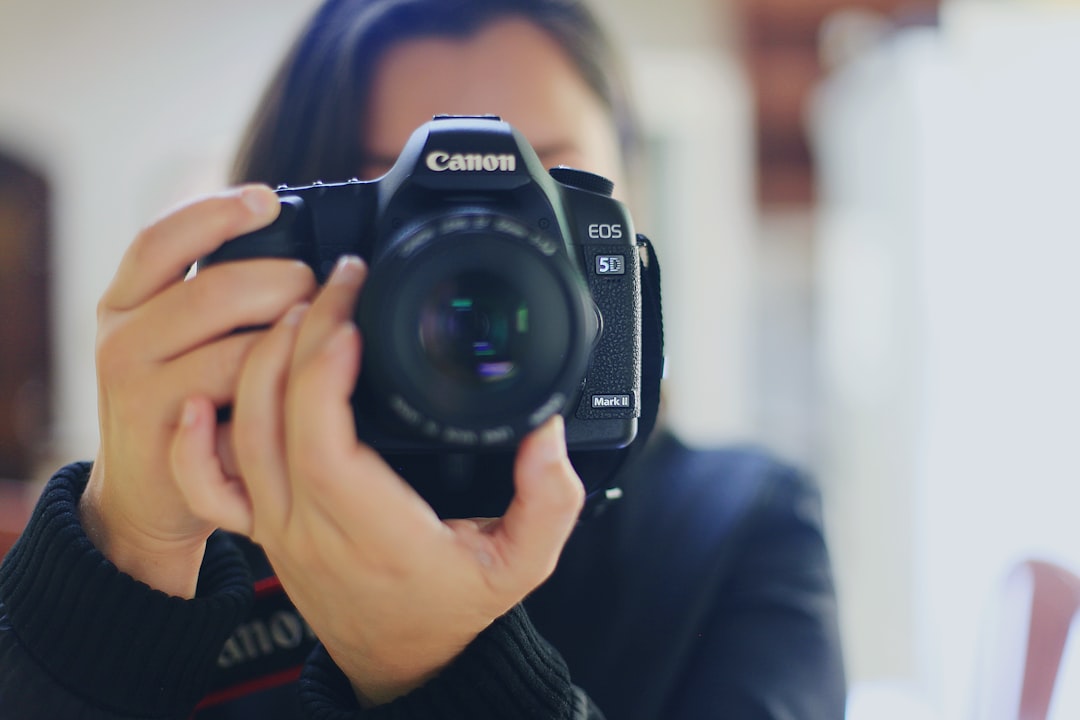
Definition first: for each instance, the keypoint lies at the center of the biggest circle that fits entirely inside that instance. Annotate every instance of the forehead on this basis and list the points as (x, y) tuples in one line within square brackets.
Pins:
[(509, 68)]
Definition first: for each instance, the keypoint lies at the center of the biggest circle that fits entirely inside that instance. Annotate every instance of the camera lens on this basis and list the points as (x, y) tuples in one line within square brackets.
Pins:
[(474, 329)]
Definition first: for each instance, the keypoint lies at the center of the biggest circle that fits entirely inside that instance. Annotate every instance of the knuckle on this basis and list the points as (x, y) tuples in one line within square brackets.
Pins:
[(300, 276), (259, 290), (571, 496), (103, 310), (221, 292), (230, 215), (112, 358), (237, 348), (223, 361), (545, 568), (144, 239), (522, 578), (209, 288), (225, 214), (542, 570), (291, 278), (577, 501)]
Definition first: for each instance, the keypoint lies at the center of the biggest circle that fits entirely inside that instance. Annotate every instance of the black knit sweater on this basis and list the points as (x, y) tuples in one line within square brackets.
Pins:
[(705, 592)]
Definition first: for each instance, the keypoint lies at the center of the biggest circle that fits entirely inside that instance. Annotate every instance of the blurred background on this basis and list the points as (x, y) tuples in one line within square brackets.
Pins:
[(868, 213)]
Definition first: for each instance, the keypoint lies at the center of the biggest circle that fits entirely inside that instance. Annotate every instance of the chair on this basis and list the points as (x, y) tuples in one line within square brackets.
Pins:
[(1039, 603), (15, 507)]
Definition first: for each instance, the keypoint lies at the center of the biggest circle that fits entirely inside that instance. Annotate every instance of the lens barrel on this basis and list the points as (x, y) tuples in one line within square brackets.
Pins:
[(476, 328)]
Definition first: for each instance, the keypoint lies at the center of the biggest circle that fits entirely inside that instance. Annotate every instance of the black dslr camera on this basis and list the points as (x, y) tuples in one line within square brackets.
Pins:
[(498, 295)]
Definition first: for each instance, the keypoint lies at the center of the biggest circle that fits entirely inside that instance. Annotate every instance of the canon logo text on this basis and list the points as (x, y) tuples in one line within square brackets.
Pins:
[(442, 161)]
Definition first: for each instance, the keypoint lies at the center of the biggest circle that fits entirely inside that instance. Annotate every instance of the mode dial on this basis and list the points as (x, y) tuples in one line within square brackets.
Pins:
[(583, 180)]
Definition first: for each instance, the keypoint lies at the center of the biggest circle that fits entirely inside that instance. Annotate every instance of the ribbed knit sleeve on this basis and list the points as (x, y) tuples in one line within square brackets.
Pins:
[(102, 637), (509, 671)]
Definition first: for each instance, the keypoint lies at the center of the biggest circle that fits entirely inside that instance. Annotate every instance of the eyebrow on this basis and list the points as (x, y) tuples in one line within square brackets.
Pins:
[(556, 148), (379, 159)]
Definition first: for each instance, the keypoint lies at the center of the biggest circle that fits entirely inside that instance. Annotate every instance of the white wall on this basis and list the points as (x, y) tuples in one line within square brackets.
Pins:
[(695, 103), (129, 105), (950, 255), (705, 231), (122, 104)]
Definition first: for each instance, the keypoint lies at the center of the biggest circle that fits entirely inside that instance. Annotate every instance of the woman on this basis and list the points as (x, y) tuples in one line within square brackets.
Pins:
[(704, 592)]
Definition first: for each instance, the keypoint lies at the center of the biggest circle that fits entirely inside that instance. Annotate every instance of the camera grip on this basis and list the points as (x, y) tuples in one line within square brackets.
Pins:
[(282, 238)]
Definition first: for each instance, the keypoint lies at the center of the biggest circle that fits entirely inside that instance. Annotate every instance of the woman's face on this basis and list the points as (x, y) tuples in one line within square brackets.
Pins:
[(509, 68)]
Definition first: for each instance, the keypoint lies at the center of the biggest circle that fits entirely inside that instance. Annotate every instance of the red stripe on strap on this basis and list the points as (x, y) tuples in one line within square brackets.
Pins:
[(250, 687), (267, 586)]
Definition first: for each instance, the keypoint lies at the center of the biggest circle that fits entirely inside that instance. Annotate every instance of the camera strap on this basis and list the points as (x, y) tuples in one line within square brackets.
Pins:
[(652, 341)]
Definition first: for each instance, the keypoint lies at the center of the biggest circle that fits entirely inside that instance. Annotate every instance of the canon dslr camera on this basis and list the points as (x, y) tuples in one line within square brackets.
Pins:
[(498, 293)]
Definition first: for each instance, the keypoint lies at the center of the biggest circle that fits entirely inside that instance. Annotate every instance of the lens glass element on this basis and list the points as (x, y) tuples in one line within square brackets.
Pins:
[(474, 328)]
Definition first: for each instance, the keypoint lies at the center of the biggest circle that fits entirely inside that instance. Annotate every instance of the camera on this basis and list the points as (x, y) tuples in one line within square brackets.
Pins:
[(498, 294)]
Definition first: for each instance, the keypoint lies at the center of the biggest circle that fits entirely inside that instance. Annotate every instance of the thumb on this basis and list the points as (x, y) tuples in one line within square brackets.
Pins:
[(210, 492), (548, 497)]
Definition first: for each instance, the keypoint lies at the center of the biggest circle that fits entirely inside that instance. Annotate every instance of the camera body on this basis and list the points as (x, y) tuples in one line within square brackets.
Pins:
[(498, 293)]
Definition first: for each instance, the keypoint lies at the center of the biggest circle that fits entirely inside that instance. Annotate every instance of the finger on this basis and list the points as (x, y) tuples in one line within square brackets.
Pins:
[(212, 370), (326, 361), (333, 307), (226, 454), (219, 300), (258, 423), (334, 468), (162, 252), (548, 497), (320, 416), (210, 492)]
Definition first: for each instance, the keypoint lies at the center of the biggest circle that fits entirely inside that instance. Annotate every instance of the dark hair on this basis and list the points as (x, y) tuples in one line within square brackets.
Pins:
[(309, 123)]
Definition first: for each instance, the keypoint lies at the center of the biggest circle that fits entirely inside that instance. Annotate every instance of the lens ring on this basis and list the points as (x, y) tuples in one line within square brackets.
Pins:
[(473, 322)]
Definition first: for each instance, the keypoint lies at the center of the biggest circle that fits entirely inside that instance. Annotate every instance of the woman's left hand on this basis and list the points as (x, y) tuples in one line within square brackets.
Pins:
[(392, 591)]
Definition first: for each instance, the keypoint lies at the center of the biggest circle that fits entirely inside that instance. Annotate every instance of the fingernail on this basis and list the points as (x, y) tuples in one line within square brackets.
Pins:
[(188, 415), (349, 269), (260, 200), (295, 314)]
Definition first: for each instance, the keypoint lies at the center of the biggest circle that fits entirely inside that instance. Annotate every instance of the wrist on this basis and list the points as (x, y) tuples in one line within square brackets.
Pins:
[(508, 671), (383, 680), (169, 565), (84, 622)]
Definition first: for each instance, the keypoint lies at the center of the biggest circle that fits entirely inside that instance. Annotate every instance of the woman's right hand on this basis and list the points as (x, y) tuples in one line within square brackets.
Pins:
[(162, 339)]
